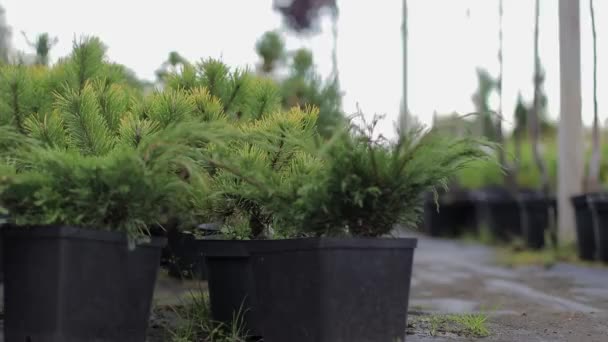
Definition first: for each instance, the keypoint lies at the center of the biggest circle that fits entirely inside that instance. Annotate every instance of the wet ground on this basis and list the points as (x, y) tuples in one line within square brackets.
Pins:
[(564, 303)]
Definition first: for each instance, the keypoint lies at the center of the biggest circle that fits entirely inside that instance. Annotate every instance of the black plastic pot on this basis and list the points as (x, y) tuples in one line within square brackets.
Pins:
[(3, 221), (65, 284), (320, 289), (599, 211), (231, 282), (501, 214), (183, 255), (507, 216), (455, 215), (585, 232), (538, 210), (331, 290)]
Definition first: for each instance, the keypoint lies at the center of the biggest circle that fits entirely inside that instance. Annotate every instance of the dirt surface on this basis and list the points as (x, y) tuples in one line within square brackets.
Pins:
[(563, 303)]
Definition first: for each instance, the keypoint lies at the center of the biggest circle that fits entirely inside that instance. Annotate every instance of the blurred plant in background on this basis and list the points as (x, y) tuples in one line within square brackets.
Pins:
[(42, 45), (5, 37)]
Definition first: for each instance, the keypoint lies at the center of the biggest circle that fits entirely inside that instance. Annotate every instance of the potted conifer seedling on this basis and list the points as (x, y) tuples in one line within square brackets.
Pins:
[(329, 270), (80, 262)]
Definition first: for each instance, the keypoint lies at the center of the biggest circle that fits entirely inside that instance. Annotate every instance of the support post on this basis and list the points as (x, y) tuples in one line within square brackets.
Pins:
[(570, 164)]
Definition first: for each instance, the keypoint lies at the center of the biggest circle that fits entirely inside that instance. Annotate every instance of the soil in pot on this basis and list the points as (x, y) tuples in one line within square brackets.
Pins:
[(329, 290), (65, 284)]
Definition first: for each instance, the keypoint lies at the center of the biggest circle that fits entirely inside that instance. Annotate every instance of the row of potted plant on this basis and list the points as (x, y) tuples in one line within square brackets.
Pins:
[(93, 180), (526, 216), (505, 215)]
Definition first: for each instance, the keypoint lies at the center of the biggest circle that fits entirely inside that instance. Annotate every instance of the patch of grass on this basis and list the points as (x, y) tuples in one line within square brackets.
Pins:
[(483, 236), (192, 322), (469, 325), (515, 255), (474, 324)]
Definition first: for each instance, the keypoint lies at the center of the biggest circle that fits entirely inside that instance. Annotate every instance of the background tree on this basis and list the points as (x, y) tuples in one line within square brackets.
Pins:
[(5, 37), (271, 50), (42, 45), (519, 131), (510, 176), (302, 17), (404, 114), (534, 124), (305, 87), (486, 84), (171, 65), (593, 180)]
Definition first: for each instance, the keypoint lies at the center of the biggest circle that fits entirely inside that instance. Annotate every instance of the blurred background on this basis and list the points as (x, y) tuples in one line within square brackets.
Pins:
[(448, 42)]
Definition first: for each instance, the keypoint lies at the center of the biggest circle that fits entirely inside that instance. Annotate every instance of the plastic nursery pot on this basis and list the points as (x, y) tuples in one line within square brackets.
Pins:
[(183, 255), (501, 213), (231, 283), (599, 211), (585, 232), (3, 221), (538, 210), (66, 284), (328, 289), (456, 214)]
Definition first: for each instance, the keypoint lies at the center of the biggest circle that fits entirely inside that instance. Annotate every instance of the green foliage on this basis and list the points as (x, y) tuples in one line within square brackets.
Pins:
[(369, 185), (265, 159), (207, 108), (215, 76), (117, 192), (170, 106), (186, 80), (489, 173), (302, 62), (48, 129), (266, 98), (127, 189), (352, 184), (42, 45), (134, 129), (113, 102), (486, 86), (271, 49), (15, 95), (195, 323), (87, 129), (219, 92), (86, 61), (470, 325)]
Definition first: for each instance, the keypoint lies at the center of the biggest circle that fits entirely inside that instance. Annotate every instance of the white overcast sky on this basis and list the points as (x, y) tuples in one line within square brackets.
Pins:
[(445, 46)]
